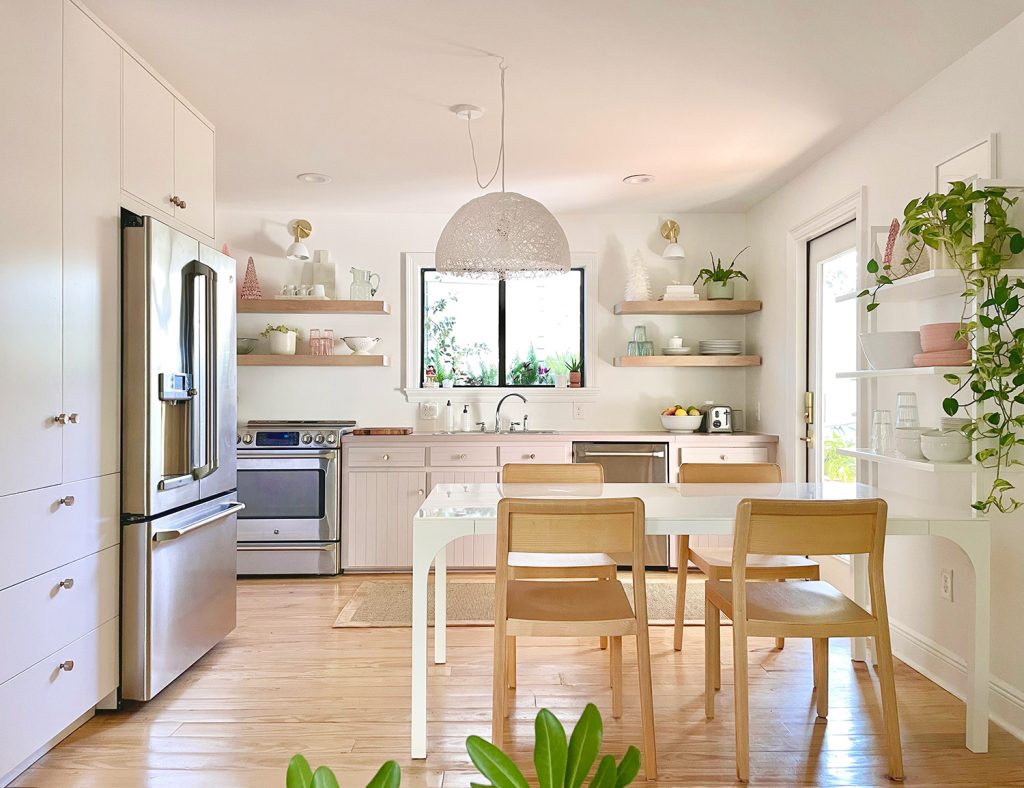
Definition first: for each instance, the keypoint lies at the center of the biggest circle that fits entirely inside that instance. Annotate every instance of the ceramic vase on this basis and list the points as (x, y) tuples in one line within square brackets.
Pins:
[(721, 291), (575, 379), (282, 344)]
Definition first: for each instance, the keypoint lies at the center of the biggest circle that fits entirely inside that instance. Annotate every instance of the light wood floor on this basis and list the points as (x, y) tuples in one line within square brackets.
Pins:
[(284, 682)]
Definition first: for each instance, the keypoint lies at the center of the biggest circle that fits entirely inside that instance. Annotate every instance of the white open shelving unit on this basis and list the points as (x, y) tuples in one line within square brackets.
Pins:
[(907, 462), (901, 372)]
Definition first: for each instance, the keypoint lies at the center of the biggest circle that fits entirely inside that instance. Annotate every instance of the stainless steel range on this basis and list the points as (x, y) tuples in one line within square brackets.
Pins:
[(289, 480)]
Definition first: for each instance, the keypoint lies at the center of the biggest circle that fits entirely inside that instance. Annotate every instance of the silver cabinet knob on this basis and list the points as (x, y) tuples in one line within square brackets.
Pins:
[(385, 457), (419, 492), (176, 200), (61, 418), (73, 418), (67, 582), (721, 456), (68, 664), (67, 500), (532, 456), (460, 456)]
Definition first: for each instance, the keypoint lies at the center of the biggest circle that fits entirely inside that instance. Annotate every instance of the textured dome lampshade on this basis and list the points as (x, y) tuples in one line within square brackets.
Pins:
[(503, 235)]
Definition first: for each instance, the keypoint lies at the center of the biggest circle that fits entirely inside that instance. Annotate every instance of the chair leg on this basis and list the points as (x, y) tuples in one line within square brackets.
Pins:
[(819, 648), (499, 696), (682, 555), (780, 643), (605, 573), (643, 659), (616, 675), (712, 656), (890, 713), (510, 646), (740, 700), (604, 643)]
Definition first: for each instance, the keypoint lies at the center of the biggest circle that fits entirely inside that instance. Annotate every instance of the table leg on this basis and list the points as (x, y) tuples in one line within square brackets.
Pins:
[(421, 557), (975, 541), (440, 604)]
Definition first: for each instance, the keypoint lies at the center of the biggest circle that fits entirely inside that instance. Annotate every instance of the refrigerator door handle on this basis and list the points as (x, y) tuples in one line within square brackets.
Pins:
[(171, 534), (205, 361)]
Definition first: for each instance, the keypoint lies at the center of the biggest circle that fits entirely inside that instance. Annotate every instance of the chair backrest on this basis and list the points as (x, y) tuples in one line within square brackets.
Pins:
[(586, 525), (551, 473), (730, 472)]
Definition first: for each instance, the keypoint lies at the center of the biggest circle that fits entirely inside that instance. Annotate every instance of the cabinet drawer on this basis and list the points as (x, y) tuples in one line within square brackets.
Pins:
[(48, 699), (47, 611), (723, 454), (38, 533), (385, 457), (527, 454), (457, 456)]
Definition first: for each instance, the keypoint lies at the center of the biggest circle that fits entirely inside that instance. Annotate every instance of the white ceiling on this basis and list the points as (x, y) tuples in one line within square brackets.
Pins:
[(722, 100)]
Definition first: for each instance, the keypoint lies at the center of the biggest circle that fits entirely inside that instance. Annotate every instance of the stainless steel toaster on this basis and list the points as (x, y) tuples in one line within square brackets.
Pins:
[(717, 418)]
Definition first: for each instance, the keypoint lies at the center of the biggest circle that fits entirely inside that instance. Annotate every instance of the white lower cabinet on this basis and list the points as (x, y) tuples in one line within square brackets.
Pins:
[(469, 552), (41, 702), (379, 506)]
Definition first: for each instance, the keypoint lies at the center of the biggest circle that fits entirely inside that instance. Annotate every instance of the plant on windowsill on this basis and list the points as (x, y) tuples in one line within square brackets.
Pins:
[(944, 223), (282, 339), (575, 367), (718, 279)]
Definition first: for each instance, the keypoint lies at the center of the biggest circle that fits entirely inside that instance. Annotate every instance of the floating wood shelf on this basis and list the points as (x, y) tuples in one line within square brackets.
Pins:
[(907, 462), (350, 360), (687, 307), (688, 361), (904, 372), (313, 306)]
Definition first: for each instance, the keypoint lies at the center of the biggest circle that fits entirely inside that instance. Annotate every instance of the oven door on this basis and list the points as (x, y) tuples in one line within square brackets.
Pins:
[(288, 496)]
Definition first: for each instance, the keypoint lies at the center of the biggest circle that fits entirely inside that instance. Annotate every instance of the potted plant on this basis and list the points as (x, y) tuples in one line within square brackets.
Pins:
[(575, 367), (282, 339), (718, 279), (445, 378), (993, 303)]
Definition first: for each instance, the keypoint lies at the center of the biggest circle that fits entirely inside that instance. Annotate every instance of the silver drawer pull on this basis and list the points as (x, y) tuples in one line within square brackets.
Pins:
[(532, 456), (461, 456), (68, 664), (61, 418), (67, 582), (67, 500), (419, 492), (721, 456), (73, 418), (385, 457)]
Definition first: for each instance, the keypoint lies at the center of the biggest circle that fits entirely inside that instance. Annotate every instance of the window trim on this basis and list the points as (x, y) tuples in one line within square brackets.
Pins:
[(502, 362), (412, 309)]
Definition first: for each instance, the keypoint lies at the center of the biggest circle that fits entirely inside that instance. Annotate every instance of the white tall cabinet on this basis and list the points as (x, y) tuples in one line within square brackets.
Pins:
[(62, 83)]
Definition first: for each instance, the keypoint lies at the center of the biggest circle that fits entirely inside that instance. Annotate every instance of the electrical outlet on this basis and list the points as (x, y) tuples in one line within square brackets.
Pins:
[(578, 411), (946, 584), (428, 410), (757, 412)]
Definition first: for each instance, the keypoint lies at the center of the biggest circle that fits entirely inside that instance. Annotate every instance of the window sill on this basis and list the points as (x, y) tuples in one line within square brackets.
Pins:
[(471, 394)]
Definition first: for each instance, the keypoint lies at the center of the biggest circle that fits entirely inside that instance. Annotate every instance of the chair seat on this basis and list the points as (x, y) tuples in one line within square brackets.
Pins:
[(552, 560), (814, 603), (716, 563), (567, 606)]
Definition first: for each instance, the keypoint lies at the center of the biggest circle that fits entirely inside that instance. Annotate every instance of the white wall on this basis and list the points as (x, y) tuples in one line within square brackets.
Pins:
[(628, 399), (894, 157)]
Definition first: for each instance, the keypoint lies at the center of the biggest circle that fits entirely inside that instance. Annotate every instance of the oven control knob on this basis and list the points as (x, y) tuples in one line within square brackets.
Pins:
[(307, 438), (319, 437), (332, 438), (238, 438), (247, 438)]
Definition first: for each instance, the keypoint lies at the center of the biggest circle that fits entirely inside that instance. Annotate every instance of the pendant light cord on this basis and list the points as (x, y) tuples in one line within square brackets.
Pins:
[(500, 166)]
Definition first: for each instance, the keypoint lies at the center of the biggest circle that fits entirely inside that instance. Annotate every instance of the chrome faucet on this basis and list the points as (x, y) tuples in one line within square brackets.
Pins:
[(497, 411)]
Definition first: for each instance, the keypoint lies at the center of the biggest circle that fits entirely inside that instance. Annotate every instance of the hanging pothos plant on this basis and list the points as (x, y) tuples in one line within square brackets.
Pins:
[(994, 381)]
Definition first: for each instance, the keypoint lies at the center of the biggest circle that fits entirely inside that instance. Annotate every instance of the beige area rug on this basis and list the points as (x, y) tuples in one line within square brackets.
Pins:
[(383, 603)]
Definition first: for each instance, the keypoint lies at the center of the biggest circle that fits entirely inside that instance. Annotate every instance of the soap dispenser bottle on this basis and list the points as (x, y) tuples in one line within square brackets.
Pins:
[(466, 426)]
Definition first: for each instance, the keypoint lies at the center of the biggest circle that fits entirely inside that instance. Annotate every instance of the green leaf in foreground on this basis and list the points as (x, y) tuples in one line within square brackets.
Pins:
[(583, 746), (493, 764), (388, 776), (324, 778), (629, 767), (300, 775), (550, 750), (606, 774)]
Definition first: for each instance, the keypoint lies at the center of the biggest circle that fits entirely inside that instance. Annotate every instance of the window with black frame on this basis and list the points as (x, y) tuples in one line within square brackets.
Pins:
[(485, 332)]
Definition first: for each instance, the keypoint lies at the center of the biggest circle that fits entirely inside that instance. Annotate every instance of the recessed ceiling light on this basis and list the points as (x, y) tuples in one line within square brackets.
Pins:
[(313, 177), (641, 177)]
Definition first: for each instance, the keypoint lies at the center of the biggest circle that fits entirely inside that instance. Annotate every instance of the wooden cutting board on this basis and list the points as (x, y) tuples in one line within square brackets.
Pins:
[(383, 431)]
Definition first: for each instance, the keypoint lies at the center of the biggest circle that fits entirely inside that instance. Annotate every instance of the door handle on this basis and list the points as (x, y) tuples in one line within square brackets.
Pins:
[(176, 533), (809, 440), (808, 407)]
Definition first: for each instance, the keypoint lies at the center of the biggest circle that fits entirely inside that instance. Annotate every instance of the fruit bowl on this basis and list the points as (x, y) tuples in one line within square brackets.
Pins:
[(681, 423)]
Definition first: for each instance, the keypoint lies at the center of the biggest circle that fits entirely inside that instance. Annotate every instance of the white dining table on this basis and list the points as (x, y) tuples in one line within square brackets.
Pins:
[(452, 511)]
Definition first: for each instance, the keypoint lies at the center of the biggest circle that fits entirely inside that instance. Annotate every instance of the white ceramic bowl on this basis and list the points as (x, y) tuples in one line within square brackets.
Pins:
[(360, 346), (681, 423), (891, 349), (908, 441), (945, 446)]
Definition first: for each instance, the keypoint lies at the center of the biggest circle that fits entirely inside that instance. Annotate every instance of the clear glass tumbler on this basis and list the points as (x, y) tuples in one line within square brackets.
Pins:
[(881, 432), (314, 341), (327, 342), (906, 410)]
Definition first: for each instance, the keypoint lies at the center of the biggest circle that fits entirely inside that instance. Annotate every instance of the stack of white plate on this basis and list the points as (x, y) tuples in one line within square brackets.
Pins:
[(721, 347), (953, 422)]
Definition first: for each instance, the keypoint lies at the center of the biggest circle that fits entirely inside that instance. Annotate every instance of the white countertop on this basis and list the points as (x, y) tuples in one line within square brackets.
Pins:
[(562, 436)]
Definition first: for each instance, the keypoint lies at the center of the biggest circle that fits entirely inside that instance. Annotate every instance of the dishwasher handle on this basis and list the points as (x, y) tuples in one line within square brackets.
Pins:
[(622, 454)]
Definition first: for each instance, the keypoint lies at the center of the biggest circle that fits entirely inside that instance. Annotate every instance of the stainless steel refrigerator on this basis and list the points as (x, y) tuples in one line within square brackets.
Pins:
[(178, 503)]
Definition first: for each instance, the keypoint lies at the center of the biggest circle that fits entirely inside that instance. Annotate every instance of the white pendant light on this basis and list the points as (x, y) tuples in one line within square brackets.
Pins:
[(502, 234), (301, 228), (674, 250)]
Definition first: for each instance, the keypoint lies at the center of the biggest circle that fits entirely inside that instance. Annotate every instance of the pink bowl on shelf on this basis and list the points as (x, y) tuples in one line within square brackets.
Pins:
[(937, 337), (943, 358)]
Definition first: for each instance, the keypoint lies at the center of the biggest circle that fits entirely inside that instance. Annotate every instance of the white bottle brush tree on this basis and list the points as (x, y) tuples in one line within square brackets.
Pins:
[(638, 282)]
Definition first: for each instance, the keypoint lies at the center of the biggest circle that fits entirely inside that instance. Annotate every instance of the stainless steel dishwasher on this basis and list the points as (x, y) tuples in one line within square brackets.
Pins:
[(632, 463)]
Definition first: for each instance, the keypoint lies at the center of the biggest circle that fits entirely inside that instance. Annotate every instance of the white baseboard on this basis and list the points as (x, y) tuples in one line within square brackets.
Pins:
[(949, 671)]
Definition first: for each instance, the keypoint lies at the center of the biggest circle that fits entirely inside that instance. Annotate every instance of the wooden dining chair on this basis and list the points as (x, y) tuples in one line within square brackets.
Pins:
[(813, 609), (716, 563), (573, 608)]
